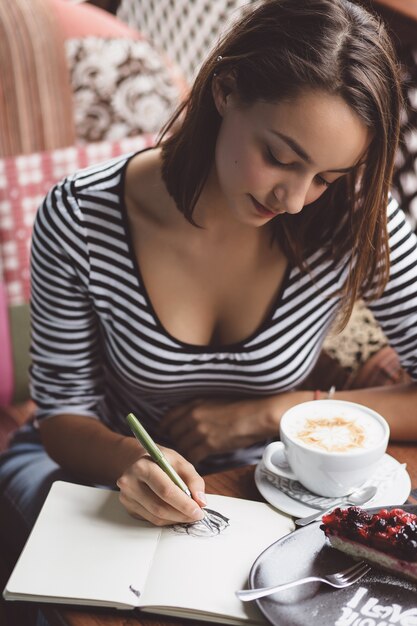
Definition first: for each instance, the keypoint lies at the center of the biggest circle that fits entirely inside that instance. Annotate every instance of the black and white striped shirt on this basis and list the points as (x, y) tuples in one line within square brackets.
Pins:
[(98, 348)]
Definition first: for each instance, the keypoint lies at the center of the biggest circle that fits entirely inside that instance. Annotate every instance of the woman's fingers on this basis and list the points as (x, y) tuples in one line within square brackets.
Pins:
[(192, 479), (189, 441), (152, 509), (198, 453), (175, 423), (192, 418), (175, 429), (147, 492)]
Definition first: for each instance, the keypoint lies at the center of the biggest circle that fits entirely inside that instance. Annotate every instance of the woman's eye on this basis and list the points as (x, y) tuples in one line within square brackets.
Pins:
[(321, 181), (272, 159)]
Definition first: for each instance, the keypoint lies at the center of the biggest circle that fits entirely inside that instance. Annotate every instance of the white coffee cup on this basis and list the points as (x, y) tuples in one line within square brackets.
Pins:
[(330, 446)]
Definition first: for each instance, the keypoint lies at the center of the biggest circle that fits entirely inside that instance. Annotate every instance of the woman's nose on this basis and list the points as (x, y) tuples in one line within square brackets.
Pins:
[(293, 197), (291, 201)]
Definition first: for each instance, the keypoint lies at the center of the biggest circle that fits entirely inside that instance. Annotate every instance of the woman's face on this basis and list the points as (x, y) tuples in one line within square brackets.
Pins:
[(274, 158)]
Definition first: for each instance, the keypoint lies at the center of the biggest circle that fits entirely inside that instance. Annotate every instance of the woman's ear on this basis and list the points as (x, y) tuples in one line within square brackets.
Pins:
[(223, 88)]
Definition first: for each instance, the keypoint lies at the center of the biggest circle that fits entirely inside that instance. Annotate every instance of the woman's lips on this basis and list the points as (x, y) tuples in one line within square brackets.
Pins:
[(262, 210)]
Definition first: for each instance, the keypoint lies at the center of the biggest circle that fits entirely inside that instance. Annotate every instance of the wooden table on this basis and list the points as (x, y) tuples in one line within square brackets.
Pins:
[(238, 483)]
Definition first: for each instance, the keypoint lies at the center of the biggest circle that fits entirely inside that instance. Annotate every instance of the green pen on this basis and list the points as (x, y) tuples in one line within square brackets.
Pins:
[(155, 453)]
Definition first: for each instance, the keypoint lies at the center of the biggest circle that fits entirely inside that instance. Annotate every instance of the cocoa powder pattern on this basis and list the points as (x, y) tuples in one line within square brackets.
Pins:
[(352, 438)]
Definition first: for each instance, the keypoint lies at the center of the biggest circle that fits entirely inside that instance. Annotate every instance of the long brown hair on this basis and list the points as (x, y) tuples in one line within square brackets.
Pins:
[(276, 51)]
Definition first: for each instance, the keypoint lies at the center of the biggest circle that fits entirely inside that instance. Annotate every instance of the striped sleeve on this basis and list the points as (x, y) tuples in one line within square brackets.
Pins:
[(396, 309), (66, 376)]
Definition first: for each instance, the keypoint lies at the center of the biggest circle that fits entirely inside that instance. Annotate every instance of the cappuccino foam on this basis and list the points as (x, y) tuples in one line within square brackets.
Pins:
[(339, 431)]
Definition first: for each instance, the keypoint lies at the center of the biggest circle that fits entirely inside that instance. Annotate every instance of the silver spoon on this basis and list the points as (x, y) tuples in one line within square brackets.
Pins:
[(360, 496)]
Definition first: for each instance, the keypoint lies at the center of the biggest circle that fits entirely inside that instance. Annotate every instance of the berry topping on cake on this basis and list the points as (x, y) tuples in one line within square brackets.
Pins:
[(387, 538)]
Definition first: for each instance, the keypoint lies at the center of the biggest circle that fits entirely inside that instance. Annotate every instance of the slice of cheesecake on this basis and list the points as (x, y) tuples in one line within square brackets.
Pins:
[(387, 539)]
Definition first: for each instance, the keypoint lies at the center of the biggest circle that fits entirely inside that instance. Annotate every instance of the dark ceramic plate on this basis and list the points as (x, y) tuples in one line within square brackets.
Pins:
[(378, 599)]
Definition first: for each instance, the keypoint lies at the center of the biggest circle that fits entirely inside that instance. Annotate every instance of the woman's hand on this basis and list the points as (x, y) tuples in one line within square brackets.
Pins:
[(148, 493), (202, 428)]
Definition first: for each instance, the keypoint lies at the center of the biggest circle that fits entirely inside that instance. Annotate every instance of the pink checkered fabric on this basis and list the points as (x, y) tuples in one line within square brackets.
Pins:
[(24, 181)]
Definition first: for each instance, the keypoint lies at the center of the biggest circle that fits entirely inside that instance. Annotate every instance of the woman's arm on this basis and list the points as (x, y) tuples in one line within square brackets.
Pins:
[(93, 453), (205, 427), (87, 449), (202, 428), (397, 403)]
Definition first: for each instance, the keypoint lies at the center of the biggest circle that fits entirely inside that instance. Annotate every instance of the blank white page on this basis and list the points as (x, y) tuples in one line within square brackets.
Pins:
[(85, 547)]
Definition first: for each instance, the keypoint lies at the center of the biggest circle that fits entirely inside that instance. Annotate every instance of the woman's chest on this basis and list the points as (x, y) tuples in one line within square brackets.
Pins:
[(213, 297), (212, 285), (217, 324)]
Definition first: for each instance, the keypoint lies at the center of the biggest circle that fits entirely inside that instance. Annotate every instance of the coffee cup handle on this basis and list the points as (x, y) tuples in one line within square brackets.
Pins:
[(281, 469)]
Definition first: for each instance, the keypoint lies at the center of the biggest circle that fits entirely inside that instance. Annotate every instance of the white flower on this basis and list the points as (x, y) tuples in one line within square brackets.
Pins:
[(94, 73), (94, 123), (145, 111), (117, 131), (151, 59), (83, 100), (114, 51), (166, 88), (142, 83)]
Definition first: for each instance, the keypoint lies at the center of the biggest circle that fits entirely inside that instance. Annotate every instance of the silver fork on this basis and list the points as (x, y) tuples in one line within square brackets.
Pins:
[(339, 580)]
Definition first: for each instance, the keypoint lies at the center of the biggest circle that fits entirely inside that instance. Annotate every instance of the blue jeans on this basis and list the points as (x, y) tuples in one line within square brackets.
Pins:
[(26, 475)]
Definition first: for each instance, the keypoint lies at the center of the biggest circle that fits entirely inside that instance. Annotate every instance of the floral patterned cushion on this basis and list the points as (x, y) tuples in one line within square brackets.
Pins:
[(359, 340), (122, 87)]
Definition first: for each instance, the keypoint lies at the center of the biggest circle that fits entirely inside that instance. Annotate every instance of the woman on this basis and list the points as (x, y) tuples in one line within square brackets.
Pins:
[(194, 283)]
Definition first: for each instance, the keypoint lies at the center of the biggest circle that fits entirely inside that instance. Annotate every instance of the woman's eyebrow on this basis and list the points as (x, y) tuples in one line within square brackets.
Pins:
[(303, 154)]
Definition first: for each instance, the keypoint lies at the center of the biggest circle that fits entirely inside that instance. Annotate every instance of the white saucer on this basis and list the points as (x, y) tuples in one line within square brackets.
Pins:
[(391, 478)]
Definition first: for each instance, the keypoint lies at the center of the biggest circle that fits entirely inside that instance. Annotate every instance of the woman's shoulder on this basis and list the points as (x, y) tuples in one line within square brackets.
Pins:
[(145, 194), (105, 178), (400, 226), (86, 198), (92, 185)]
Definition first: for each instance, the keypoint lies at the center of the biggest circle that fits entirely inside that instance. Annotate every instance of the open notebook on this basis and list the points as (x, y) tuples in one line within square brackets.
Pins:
[(93, 553)]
